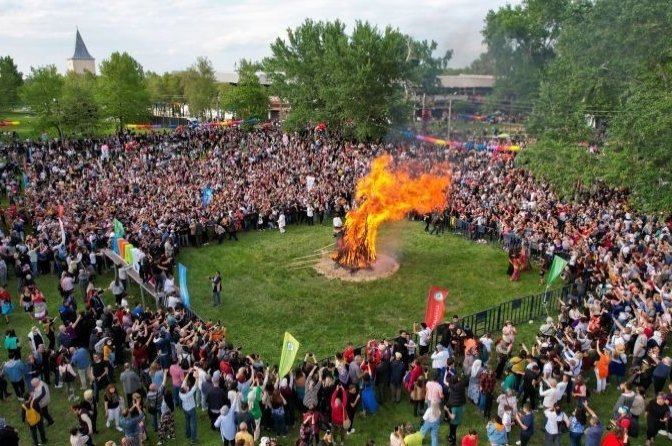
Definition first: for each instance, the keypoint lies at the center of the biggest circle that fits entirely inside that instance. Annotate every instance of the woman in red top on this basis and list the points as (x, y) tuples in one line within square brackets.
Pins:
[(339, 399)]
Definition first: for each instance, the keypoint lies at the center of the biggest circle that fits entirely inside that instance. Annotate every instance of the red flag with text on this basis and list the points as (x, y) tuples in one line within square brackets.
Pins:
[(436, 306)]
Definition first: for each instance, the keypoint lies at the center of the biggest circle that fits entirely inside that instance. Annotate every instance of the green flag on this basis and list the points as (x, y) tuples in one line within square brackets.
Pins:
[(556, 269), (118, 228), (290, 347)]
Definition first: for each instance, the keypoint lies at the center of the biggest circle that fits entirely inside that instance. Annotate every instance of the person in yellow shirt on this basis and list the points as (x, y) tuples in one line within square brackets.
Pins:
[(412, 438), (518, 365), (243, 437)]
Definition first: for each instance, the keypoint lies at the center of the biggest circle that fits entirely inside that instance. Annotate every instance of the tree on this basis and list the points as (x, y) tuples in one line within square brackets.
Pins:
[(200, 88), (603, 51), (249, 98), (520, 43), (10, 82), (166, 92), (42, 94), (80, 111), (359, 83), (121, 90)]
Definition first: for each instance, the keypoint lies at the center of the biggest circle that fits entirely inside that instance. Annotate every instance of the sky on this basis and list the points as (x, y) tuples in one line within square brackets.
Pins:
[(168, 35)]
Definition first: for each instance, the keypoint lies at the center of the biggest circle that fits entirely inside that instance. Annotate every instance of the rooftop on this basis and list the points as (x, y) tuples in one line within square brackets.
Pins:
[(467, 81), (80, 49)]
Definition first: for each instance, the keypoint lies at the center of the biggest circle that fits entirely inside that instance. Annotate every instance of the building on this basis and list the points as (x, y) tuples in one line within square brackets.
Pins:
[(81, 61)]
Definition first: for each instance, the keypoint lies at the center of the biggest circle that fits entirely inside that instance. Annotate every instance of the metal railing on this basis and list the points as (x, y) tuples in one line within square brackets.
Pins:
[(491, 320), (490, 234)]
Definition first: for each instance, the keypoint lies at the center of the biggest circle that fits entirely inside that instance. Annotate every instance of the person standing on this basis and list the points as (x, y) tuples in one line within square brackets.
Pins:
[(525, 420), (656, 417), (339, 401), (130, 423), (282, 222), (30, 414), (432, 419), (187, 392), (112, 406), (216, 282), (42, 398), (424, 337), (130, 382)]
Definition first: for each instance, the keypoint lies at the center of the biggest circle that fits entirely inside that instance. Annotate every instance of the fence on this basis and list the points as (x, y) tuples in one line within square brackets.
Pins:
[(491, 235), (519, 310)]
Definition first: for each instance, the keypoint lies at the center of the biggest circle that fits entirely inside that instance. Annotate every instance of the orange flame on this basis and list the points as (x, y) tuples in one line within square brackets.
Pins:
[(388, 194)]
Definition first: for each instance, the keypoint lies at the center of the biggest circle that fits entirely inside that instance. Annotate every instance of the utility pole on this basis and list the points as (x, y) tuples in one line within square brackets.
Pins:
[(450, 115)]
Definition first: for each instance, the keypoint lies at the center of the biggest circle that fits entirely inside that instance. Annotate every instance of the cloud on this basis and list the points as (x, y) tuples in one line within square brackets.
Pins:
[(168, 35)]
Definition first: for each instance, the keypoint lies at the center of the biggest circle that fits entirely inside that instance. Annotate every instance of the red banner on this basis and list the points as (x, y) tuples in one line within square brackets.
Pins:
[(436, 306)]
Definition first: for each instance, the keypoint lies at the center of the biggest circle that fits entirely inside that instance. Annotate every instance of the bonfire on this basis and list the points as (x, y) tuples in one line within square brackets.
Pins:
[(388, 193)]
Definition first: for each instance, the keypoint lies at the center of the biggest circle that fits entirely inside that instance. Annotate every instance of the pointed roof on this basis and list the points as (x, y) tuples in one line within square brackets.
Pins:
[(80, 48)]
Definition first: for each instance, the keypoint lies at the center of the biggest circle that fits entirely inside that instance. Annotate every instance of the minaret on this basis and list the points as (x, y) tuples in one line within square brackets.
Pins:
[(81, 61)]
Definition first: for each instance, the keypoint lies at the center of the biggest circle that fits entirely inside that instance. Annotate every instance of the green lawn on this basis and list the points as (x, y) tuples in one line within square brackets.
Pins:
[(262, 297)]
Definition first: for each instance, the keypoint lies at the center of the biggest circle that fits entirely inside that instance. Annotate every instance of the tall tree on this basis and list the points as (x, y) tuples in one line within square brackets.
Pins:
[(42, 94), (351, 82), (249, 98), (166, 91), (200, 87), (10, 82), (521, 41), (81, 113), (121, 90)]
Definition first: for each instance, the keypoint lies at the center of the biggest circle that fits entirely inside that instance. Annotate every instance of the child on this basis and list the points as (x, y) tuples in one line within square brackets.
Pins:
[(471, 439), (496, 432), (507, 420)]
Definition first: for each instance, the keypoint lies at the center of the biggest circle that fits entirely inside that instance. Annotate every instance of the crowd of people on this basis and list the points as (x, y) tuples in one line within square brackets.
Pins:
[(138, 367)]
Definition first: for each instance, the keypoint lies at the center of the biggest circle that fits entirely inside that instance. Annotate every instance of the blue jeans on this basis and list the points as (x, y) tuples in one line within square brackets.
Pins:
[(433, 428), (279, 425), (190, 423), (575, 438), (176, 396)]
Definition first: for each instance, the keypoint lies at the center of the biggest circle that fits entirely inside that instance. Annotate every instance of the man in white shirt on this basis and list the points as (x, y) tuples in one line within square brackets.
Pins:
[(424, 337), (189, 406), (439, 360)]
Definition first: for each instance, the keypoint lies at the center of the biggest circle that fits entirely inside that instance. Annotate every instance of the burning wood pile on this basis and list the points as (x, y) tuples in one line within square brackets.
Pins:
[(388, 193)]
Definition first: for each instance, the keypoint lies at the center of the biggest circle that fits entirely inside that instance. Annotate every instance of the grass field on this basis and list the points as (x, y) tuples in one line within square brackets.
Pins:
[(262, 297)]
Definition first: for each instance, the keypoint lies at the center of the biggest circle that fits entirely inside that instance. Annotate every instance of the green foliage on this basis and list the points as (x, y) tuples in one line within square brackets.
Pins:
[(520, 42), (166, 91), (121, 90), (612, 68), (359, 83), (249, 98), (41, 92), (81, 113), (10, 82), (563, 164), (602, 51), (200, 88)]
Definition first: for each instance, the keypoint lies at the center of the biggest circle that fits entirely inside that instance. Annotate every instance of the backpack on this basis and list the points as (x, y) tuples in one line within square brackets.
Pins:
[(32, 416)]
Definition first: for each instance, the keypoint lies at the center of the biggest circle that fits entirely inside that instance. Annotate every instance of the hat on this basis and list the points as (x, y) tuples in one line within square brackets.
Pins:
[(397, 355)]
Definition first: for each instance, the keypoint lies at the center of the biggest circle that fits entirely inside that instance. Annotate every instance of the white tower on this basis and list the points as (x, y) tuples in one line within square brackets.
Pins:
[(81, 61)]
